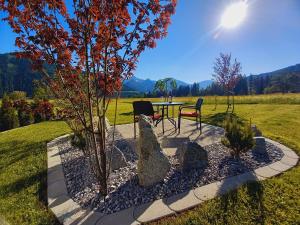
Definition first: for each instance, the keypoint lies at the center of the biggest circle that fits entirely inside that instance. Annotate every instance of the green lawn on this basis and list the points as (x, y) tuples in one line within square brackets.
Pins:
[(23, 173), (23, 169), (274, 201)]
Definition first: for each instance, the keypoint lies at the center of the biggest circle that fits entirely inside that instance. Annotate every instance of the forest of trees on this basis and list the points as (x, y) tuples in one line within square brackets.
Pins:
[(281, 83), (17, 75)]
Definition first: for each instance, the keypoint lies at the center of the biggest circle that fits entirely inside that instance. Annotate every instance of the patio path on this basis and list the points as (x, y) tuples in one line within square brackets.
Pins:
[(172, 139)]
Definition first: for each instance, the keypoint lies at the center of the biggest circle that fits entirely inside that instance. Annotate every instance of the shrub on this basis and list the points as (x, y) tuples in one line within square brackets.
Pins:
[(78, 140), (6, 102), (238, 136), (17, 95), (8, 115), (25, 113), (43, 110)]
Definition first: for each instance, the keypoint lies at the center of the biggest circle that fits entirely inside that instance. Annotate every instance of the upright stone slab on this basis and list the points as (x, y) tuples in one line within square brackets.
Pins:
[(260, 145), (192, 155), (152, 165)]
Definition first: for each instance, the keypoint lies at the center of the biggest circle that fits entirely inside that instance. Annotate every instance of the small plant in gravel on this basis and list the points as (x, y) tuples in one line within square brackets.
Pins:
[(238, 136)]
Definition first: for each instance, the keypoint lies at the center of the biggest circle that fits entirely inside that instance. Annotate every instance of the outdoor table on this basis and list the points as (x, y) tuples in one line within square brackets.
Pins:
[(165, 107)]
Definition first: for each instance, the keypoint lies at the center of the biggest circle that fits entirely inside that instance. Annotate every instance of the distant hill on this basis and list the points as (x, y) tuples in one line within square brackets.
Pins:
[(283, 80), (289, 69), (16, 74), (145, 85), (205, 83), (140, 85)]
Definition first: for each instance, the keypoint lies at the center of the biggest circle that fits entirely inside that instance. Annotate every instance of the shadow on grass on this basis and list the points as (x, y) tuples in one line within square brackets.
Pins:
[(219, 118), (16, 151), (126, 114), (29, 172), (27, 181), (230, 203)]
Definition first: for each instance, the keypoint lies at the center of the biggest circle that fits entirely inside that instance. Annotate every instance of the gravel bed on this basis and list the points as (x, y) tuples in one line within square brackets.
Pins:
[(124, 190)]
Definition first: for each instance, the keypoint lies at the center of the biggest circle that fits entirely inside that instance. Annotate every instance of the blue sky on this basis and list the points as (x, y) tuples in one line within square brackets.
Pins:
[(268, 39)]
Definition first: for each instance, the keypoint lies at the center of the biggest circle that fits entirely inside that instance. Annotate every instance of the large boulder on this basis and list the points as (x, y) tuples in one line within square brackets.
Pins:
[(260, 145), (256, 131), (115, 158), (152, 165), (191, 155)]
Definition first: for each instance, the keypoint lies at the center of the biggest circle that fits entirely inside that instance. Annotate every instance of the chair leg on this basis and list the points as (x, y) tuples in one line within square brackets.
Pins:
[(179, 121), (134, 129), (200, 121)]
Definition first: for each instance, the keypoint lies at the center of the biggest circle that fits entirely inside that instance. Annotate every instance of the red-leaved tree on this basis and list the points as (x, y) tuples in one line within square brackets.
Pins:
[(94, 45), (226, 73)]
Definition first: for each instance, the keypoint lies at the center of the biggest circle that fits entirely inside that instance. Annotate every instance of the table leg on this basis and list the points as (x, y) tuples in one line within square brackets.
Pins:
[(173, 111), (163, 116)]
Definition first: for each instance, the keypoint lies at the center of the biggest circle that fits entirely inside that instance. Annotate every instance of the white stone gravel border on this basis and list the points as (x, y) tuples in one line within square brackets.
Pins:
[(69, 212)]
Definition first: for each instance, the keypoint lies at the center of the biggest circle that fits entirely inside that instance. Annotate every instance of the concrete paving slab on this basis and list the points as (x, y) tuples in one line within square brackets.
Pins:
[(152, 211), (208, 191), (249, 177), (55, 174), (124, 217), (89, 217), (290, 154), (183, 201), (171, 139), (57, 188), (65, 210), (279, 166), (289, 161), (54, 161), (266, 172)]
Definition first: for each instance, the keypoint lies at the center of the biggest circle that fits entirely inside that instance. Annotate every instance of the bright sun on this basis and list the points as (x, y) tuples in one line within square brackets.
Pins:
[(234, 15)]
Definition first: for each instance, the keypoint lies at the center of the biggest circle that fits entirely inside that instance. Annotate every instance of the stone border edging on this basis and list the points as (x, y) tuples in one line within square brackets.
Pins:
[(69, 212)]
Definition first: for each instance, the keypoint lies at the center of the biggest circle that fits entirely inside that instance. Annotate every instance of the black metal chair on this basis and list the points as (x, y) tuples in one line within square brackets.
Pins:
[(195, 114), (144, 108)]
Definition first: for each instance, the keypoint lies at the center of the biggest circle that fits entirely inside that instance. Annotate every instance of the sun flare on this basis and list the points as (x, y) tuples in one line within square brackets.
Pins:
[(234, 15)]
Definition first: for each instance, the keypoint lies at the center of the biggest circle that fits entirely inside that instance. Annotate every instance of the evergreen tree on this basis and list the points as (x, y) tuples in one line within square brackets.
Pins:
[(195, 89), (242, 86)]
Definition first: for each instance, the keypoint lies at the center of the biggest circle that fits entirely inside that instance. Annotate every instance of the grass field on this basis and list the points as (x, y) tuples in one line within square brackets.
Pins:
[(23, 168)]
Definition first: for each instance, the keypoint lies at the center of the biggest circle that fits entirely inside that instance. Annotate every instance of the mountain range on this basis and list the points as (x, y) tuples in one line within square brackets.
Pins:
[(147, 85), (16, 74), (289, 69)]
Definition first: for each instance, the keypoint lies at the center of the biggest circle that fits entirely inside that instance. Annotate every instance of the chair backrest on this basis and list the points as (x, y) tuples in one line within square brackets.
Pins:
[(143, 107), (199, 103)]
